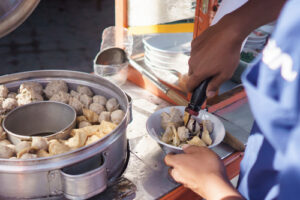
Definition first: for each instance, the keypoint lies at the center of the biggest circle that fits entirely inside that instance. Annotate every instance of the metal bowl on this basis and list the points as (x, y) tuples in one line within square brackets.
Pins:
[(53, 120), (155, 130)]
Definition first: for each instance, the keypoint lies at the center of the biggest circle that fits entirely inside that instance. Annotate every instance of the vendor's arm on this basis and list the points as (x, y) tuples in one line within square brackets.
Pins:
[(201, 170), (216, 52)]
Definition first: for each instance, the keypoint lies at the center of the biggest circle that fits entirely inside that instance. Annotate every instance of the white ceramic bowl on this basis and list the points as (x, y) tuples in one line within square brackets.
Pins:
[(155, 130), (170, 43)]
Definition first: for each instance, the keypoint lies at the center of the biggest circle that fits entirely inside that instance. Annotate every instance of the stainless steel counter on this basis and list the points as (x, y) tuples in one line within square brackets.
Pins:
[(146, 176)]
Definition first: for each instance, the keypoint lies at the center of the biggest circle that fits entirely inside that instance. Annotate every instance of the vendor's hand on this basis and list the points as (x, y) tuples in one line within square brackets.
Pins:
[(215, 53), (201, 170)]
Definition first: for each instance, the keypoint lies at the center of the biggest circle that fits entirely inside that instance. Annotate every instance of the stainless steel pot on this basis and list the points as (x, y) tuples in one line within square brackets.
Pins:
[(78, 174)]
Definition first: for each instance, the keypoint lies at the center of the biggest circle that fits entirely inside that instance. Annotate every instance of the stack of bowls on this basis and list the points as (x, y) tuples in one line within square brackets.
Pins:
[(257, 40), (168, 51)]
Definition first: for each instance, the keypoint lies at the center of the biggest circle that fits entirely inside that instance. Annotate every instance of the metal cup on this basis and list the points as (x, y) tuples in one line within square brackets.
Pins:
[(52, 120)]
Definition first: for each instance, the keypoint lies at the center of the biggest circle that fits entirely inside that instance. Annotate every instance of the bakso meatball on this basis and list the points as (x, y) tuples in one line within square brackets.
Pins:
[(97, 108), (61, 96), (176, 117), (183, 133), (104, 116), (3, 91), (99, 100), (75, 94), (35, 86), (76, 104), (84, 90), (112, 104), (54, 87), (85, 100), (12, 95), (28, 96), (39, 143), (9, 104), (117, 116), (84, 124)]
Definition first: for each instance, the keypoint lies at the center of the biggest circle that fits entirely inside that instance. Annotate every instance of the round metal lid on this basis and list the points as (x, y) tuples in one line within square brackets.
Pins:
[(13, 13)]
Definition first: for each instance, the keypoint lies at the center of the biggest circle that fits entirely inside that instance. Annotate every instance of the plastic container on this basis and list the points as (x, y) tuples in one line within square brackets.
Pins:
[(114, 69), (115, 72)]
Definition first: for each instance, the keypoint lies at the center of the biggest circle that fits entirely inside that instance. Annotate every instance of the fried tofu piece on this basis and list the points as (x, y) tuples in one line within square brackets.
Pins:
[(24, 151), (205, 135), (91, 116), (39, 143), (77, 141), (196, 141), (167, 137), (28, 156), (6, 152), (88, 130), (57, 147), (176, 140), (81, 119), (92, 139), (42, 153), (23, 145), (106, 127)]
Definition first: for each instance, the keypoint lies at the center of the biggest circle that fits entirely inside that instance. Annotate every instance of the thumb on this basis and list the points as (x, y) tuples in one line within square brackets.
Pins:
[(214, 85)]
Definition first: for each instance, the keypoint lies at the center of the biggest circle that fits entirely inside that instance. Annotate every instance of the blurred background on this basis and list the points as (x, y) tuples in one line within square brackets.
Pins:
[(59, 34)]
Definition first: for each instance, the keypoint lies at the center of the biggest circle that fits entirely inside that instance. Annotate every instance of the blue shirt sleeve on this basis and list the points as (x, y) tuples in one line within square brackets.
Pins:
[(273, 83), (273, 87)]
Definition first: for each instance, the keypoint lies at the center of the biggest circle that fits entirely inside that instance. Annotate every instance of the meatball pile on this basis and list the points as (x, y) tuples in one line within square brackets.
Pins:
[(94, 112)]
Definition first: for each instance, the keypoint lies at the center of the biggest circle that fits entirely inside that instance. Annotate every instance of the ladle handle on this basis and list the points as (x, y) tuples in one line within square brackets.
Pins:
[(174, 96), (233, 142)]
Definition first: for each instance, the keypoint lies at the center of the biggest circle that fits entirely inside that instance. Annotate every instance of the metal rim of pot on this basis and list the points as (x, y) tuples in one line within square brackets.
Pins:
[(74, 156)]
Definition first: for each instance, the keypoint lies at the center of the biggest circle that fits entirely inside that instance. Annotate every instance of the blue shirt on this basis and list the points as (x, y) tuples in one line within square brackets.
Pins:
[(271, 165)]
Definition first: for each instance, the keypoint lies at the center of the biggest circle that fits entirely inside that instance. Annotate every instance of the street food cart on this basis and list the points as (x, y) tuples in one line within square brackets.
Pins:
[(129, 162)]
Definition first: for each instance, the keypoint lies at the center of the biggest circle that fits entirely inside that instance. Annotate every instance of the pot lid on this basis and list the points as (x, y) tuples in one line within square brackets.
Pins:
[(13, 13)]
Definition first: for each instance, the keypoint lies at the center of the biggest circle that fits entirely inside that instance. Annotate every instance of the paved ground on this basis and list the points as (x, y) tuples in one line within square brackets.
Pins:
[(60, 34)]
